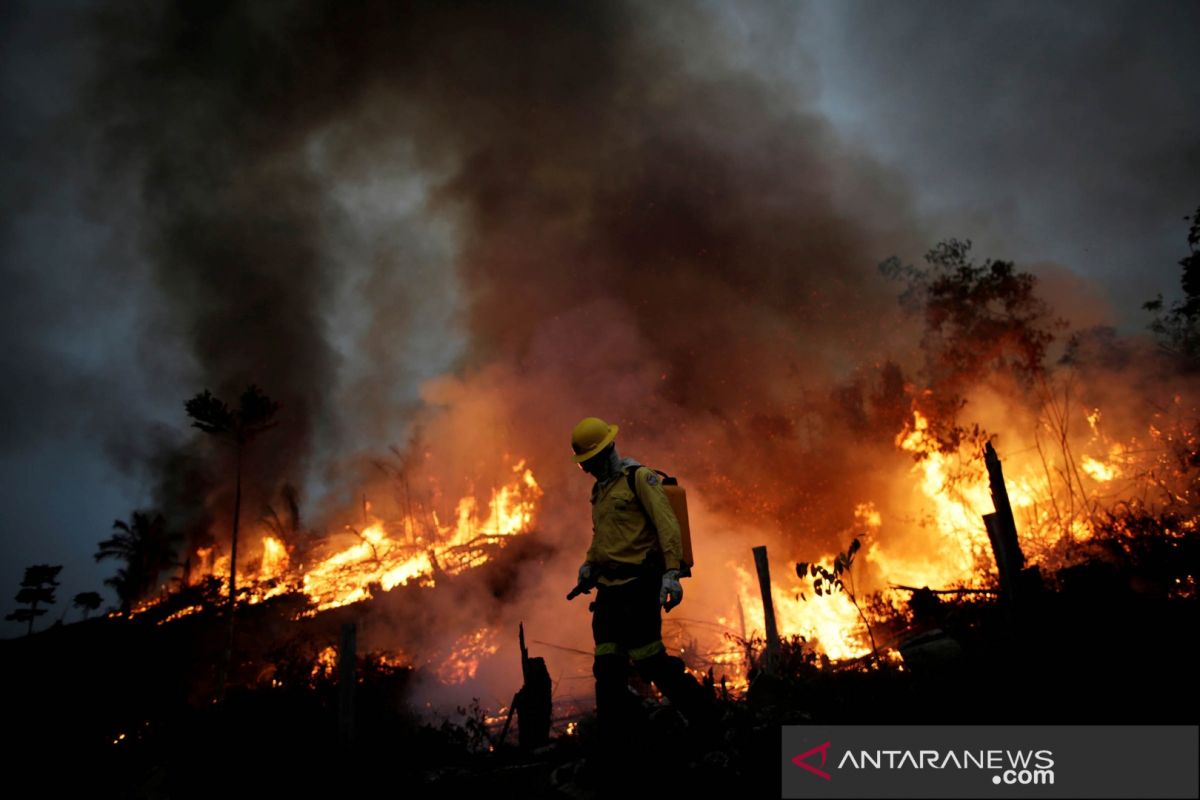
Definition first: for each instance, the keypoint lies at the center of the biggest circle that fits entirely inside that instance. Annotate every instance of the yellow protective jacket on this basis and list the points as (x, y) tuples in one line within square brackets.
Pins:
[(625, 531)]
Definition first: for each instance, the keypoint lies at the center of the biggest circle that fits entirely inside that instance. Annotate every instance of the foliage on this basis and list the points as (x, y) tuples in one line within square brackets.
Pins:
[(1156, 549), (148, 548), (829, 580), (797, 658), (837, 578), (471, 734), (253, 415), (286, 526), (37, 588), (1178, 330), (87, 602), (979, 320)]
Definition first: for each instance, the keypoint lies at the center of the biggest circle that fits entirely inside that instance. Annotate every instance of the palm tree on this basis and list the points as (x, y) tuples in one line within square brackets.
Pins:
[(125, 585), (287, 526), (87, 602), (147, 547), (238, 427)]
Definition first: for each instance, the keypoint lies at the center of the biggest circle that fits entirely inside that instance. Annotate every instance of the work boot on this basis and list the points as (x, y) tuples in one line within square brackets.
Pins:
[(689, 698), (620, 718)]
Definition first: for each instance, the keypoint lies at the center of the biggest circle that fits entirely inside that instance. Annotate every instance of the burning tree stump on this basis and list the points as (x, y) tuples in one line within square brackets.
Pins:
[(532, 703)]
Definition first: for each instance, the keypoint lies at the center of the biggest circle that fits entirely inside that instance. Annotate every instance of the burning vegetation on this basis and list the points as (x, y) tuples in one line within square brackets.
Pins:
[(348, 566), (1087, 480)]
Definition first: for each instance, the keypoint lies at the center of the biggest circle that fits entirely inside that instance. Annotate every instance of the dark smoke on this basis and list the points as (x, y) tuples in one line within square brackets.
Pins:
[(631, 227), (1063, 131), (598, 178), (206, 111)]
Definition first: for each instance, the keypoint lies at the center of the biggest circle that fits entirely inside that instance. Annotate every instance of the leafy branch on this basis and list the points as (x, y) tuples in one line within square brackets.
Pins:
[(838, 578)]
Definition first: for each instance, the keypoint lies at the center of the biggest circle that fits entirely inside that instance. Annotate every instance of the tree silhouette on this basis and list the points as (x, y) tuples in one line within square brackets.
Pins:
[(238, 427), (980, 319), (1178, 329), (37, 588), (147, 547), (87, 602), (286, 526)]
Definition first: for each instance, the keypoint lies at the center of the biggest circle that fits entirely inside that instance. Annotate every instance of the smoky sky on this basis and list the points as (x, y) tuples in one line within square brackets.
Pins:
[(1064, 132), (342, 201)]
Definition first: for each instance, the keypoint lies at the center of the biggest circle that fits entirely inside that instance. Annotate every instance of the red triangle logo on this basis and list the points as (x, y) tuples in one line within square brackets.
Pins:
[(823, 749)]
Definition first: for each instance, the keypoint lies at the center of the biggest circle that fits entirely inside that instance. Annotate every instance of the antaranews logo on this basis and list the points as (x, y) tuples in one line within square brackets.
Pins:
[(1023, 767), (988, 762), (799, 760), (1010, 767)]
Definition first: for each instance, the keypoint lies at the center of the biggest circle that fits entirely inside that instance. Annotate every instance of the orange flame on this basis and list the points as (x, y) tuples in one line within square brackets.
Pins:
[(950, 546), (382, 557), (928, 533), (463, 662), (829, 622), (326, 664), (378, 558)]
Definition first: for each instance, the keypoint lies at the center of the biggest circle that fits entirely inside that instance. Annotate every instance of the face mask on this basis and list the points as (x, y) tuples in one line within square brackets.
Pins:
[(604, 465)]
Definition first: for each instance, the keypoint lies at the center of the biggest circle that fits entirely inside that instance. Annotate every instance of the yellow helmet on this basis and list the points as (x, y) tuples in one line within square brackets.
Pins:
[(591, 435)]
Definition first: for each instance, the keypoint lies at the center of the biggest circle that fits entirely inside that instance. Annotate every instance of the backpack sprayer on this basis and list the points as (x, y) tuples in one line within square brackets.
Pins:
[(677, 496)]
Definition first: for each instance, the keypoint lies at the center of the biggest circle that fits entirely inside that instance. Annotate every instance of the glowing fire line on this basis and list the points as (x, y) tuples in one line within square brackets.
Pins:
[(378, 558)]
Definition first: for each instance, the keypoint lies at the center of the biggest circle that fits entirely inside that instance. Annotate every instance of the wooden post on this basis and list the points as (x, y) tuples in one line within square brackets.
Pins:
[(764, 585), (1002, 528), (346, 656)]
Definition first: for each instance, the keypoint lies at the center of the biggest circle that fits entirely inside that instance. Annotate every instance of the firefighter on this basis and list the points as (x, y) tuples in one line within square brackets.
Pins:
[(634, 563)]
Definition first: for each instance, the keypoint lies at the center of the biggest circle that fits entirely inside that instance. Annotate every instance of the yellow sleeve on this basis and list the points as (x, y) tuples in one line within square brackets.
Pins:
[(654, 500)]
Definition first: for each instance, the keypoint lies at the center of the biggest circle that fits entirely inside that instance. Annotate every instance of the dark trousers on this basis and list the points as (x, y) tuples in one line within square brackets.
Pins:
[(627, 626)]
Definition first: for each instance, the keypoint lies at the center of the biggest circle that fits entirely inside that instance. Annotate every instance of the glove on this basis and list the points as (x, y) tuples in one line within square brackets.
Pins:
[(671, 593), (586, 577)]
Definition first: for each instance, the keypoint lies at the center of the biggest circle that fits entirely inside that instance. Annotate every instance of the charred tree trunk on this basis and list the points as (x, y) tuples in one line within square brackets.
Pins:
[(1002, 530), (227, 658), (237, 513)]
